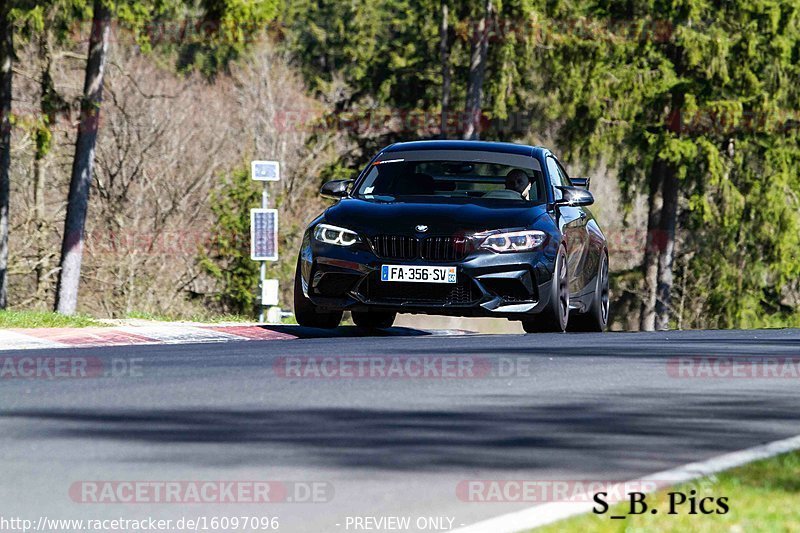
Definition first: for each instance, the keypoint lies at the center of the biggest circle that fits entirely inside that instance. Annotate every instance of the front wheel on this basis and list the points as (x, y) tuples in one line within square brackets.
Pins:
[(555, 315), (306, 313), (596, 317), (373, 319)]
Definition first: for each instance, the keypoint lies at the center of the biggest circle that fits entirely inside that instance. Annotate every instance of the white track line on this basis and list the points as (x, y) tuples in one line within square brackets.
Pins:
[(179, 334), (548, 513)]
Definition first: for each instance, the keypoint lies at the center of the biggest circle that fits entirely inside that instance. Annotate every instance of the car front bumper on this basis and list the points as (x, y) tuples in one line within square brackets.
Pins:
[(489, 284)]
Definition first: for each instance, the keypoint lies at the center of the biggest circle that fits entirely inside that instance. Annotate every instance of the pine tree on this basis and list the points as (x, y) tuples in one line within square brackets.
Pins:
[(665, 100)]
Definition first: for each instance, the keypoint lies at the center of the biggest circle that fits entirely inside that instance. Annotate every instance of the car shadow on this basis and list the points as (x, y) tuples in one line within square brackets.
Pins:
[(302, 332)]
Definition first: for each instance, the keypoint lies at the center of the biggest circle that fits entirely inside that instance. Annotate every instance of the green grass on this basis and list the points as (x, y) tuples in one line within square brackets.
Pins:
[(209, 319), (289, 320), (762, 496), (40, 319)]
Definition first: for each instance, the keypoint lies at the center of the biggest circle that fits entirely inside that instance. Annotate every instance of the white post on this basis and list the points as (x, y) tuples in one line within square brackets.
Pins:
[(265, 171), (263, 276), (261, 285)]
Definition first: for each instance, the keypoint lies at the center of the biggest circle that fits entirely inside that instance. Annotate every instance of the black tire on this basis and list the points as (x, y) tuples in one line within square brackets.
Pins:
[(373, 319), (596, 317), (306, 313), (555, 316)]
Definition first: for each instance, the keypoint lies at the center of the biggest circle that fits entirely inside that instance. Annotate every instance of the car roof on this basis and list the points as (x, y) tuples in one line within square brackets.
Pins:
[(482, 146)]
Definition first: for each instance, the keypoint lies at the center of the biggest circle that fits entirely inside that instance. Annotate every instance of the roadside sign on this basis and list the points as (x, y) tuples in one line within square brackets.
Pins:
[(264, 231), (265, 170), (264, 234), (269, 292)]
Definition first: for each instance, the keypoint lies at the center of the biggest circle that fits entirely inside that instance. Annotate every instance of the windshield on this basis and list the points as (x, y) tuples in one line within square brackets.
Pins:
[(389, 180)]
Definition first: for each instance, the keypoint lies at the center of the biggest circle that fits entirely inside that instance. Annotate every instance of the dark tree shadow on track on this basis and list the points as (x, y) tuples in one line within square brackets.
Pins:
[(613, 436)]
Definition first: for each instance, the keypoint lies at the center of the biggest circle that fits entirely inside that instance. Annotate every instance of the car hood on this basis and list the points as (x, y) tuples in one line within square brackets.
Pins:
[(442, 216)]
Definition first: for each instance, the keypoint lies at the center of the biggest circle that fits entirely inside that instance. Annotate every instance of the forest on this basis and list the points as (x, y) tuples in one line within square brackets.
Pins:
[(128, 127)]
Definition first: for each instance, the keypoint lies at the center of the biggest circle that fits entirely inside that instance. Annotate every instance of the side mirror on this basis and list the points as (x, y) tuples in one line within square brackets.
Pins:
[(581, 182), (335, 189), (575, 196)]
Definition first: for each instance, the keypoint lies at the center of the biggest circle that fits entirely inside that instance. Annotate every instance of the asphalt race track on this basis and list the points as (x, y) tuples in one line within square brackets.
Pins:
[(566, 407)]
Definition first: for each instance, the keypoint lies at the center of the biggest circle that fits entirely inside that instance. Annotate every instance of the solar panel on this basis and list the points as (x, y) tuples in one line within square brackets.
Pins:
[(265, 170), (264, 234)]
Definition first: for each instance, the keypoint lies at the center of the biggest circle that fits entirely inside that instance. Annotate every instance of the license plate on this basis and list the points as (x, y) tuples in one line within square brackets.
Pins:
[(418, 274)]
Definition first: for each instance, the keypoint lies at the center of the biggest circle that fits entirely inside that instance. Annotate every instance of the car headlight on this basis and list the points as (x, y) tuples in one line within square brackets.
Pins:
[(336, 235), (514, 241)]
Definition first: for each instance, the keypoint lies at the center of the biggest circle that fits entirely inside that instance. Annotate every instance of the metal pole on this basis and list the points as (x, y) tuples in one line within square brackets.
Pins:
[(263, 277), (264, 205)]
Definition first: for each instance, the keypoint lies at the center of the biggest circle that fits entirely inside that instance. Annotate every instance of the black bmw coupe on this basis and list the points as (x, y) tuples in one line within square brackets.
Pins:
[(464, 228)]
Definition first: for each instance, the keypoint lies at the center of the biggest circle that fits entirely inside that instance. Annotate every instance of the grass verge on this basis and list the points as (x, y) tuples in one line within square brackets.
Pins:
[(762, 496), (205, 318), (40, 319)]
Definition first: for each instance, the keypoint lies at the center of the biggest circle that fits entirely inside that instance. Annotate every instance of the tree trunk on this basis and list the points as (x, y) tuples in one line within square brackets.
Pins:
[(647, 315), (477, 73), (49, 104), (444, 54), (39, 215), (81, 180), (668, 224), (6, 58)]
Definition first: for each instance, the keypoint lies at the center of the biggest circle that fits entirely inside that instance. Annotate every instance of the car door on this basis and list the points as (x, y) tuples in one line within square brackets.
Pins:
[(571, 221), (585, 270)]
